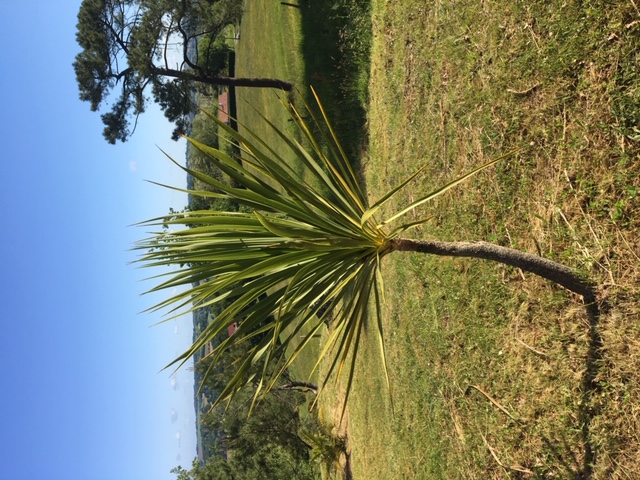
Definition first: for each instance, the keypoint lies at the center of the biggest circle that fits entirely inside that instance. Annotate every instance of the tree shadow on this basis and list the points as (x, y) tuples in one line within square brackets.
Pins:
[(586, 410), (584, 470), (338, 67), (590, 385), (563, 453), (347, 472)]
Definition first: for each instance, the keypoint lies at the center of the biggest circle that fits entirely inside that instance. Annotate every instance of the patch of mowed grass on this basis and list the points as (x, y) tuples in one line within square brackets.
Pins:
[(268, 47), (320, 43), (496, 374)]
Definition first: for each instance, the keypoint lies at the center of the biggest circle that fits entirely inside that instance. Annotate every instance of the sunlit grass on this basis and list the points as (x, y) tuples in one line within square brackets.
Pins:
[(450, 84)]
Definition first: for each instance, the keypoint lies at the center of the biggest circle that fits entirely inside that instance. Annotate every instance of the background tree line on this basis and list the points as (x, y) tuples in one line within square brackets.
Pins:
[(135, 48), (266, 444)]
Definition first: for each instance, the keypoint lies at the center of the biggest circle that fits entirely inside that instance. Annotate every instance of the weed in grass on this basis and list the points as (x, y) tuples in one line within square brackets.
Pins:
[(327, 449)]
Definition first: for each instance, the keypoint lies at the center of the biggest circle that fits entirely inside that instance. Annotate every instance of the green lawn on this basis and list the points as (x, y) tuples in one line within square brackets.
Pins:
[(268, 47), (495, 373)]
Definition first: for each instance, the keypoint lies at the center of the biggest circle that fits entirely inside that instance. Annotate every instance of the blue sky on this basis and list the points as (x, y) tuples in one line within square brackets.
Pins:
[(83, 396)]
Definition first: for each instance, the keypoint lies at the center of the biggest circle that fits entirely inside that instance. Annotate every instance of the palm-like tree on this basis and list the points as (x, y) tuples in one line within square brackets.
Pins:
[(302, 252)]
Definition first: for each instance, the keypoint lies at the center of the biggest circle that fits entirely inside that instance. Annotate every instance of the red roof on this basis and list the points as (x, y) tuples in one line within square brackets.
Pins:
[(231, 329), (223, 107)]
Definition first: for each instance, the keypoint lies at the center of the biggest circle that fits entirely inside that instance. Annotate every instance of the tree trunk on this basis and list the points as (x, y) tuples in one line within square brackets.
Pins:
[(542, 267), (249, 82), (227, 81), (301, 386)]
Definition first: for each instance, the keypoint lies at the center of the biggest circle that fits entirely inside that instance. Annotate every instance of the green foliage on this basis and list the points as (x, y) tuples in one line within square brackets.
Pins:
[(273, 424), (214, 55), (336, 47), (265, 444), (125, 48), (326, 448), (274, 465), (296, 260), (205, 131), (211, 13), (249, 446), (216, 469), (174, 98)]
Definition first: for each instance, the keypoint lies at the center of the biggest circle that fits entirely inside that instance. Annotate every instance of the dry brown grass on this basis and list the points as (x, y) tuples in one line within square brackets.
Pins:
[(454, 87)]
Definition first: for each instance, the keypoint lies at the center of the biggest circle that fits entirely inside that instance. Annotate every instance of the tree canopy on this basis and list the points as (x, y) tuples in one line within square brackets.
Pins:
[(129, 47), (269, 443)]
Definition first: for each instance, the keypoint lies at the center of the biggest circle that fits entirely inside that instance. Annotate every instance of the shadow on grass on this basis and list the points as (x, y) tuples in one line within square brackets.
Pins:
[(336, 42), (590, 385), (560, 449)]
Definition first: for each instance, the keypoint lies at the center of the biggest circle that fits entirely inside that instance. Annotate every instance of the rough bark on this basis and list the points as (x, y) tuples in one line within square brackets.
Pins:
[(540, 266), (226, 81), (301, 386)]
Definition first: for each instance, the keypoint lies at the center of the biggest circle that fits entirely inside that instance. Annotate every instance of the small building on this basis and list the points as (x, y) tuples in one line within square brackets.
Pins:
[(223, 107), (231, 329)]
